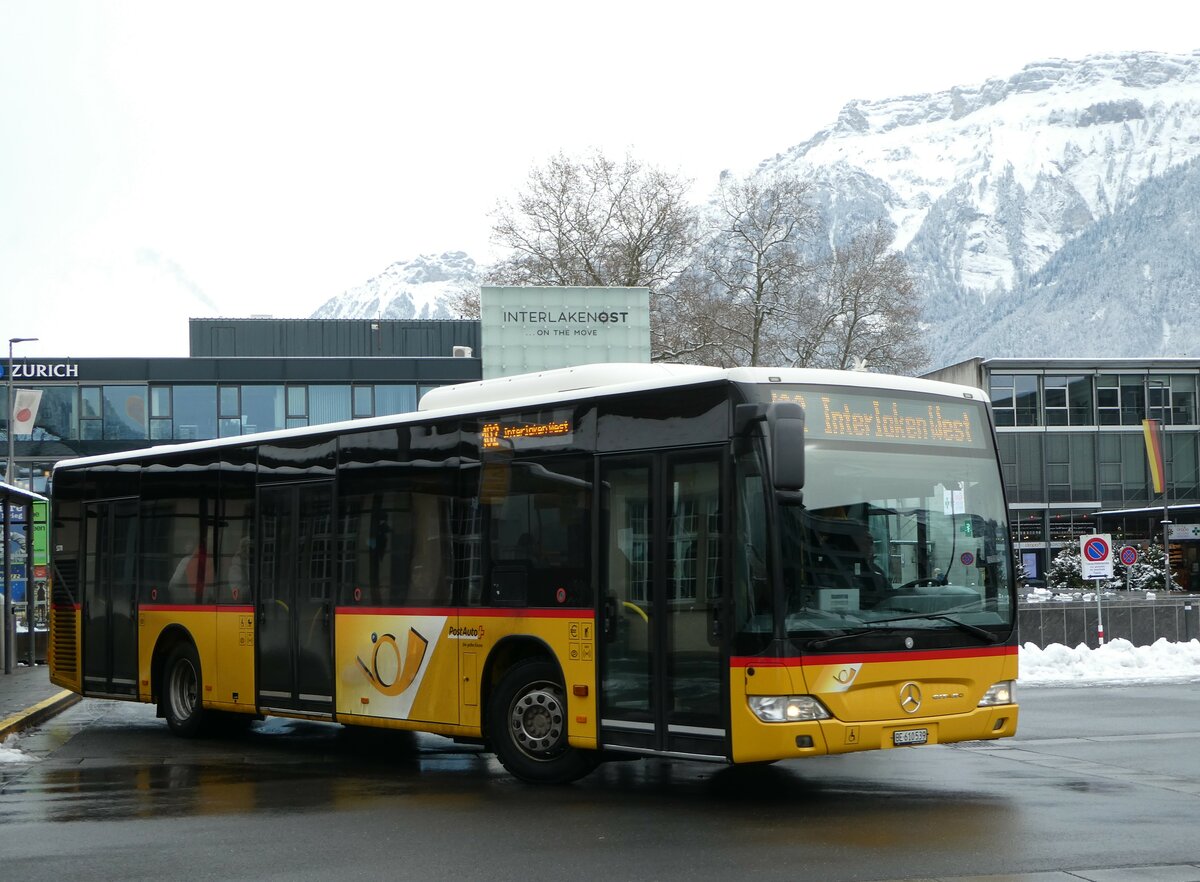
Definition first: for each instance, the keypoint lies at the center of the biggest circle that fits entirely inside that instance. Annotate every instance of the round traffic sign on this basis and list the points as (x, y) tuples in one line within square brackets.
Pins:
[(1129, 555), (1096, 550)]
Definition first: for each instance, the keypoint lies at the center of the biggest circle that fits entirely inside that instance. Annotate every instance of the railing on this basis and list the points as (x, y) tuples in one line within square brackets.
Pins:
[(1130, 615)]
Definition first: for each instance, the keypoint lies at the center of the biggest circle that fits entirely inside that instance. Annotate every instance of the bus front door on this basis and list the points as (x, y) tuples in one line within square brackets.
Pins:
[(110, 636), (661, 660), (295, 597)]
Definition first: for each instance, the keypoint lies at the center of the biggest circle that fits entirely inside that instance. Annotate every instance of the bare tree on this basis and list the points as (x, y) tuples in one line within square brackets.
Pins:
[(755, 264), (595, 221), (687, 319), (463, 300), (863, 310)]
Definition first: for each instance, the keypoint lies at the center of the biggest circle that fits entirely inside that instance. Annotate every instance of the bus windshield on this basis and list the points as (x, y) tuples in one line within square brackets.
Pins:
[(901, 523)]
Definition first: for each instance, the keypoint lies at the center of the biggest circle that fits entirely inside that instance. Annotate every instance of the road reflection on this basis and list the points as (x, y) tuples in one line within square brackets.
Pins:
[(124, 766)]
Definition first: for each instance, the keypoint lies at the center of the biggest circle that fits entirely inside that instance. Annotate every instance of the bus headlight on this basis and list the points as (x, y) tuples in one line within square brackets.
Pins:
[(787, 708), (1003, 692)]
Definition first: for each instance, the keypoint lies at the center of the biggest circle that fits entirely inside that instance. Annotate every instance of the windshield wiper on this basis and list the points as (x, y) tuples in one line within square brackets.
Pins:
[(860, 632), (885, 626), (981, 633)]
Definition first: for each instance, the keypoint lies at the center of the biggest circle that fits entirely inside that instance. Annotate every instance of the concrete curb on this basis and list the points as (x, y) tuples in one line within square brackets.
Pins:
[(40, 712)]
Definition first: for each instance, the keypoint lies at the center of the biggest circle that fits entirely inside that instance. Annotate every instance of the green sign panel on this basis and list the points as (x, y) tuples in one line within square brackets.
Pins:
[(41, 534)]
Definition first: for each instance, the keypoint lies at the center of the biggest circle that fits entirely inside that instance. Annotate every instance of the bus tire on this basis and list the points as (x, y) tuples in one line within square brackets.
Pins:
[(183, 688), (527, 722)]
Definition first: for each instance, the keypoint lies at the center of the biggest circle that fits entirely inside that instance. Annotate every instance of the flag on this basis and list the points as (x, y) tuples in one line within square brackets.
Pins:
[(25, 408), (1154, 453)]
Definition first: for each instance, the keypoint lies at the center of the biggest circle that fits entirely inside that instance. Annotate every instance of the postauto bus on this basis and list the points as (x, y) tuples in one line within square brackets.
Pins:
[(738, 566)]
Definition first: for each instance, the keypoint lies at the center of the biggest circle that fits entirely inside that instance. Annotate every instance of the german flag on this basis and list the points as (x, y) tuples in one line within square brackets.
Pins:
[(1154, 454)]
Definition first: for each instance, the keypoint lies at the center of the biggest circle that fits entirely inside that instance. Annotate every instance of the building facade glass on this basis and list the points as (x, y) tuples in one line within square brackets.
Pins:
[(95, 406), (1073, 453)]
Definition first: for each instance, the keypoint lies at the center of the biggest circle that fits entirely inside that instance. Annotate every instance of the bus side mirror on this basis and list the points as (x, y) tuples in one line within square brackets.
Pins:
[(785, 421), (785, 430)]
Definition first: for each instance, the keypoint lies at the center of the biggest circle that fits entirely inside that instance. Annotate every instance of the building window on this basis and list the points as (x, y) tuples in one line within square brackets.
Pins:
[(161, 424), (1170, 399), (362, 404), (263, 409), (1070, 468), (57, 416), (229, 411), (1183, 476), (327, 404), (1183, 400), (1158, 399), (1029, 468), (1014, 399), (395, 399), (1109, 448), (297, 406), (195, 412), (1068, 401), (123, 412), (1029, 526), (1068, 524), (91, 410), (1121, 399)]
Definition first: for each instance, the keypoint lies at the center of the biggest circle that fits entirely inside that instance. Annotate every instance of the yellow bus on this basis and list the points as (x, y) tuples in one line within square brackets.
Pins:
[(739, 566)]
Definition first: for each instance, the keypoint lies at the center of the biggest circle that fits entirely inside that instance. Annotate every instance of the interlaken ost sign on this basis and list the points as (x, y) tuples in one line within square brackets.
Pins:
[(542, 328)]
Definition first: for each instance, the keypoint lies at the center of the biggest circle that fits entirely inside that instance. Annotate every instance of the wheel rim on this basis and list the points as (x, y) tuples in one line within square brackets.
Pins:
[(183, 689), (537, 721)]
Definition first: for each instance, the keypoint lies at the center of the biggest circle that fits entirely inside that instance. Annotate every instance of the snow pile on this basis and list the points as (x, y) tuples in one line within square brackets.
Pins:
[(11, 754), (1117, 661)]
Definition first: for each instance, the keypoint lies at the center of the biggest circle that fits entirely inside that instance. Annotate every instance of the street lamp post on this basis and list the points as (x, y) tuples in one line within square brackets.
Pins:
[(10, 471), (10, 631)]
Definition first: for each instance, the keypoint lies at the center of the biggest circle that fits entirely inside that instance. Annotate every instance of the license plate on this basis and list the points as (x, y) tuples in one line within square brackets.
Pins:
[(910, 736)]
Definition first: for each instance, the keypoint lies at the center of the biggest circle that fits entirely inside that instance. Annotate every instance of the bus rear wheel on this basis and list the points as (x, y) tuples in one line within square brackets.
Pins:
[(182, 690), (527, 722)]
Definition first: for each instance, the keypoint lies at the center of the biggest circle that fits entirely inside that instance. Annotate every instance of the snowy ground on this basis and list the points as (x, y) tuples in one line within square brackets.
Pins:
[(1118, 661)]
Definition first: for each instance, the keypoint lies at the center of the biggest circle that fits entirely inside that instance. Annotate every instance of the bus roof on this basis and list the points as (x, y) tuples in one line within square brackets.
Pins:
[(561, 385), (591, 379)]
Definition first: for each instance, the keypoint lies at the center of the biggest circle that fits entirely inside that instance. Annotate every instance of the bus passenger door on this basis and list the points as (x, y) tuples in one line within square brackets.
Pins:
[(295, 597), (662, 686), (110, 635)]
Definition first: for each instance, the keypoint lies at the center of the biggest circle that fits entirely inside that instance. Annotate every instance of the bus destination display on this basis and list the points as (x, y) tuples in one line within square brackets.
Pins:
[(523, 433), (887, 418)]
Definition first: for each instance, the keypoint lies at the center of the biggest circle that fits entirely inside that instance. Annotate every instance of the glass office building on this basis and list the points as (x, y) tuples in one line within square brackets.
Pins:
[(243, 376), (1073, 451)]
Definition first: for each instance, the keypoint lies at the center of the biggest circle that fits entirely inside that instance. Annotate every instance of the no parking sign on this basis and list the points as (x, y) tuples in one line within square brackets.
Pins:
[(1095, 556)]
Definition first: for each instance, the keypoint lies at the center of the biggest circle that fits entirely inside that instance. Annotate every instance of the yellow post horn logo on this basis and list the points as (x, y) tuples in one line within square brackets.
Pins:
[(397, 675)]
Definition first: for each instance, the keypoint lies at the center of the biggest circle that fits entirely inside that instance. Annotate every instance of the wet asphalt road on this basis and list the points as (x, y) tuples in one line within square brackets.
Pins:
[(1097, 777)]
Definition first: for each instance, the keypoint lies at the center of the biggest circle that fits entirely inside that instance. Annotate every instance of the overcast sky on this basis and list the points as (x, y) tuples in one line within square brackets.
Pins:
[(160, 160)]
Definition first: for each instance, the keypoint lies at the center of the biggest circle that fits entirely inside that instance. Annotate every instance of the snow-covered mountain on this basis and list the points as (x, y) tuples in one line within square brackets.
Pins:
[(408, 289), (1051, 213), (986, 184)]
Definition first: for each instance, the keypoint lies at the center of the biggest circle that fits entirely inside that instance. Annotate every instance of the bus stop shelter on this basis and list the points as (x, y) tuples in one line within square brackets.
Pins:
[(19, 571)]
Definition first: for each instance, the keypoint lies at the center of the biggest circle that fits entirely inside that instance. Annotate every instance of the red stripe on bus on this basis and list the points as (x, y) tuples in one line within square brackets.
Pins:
[(196, 607), (865, 657), (466, 612)]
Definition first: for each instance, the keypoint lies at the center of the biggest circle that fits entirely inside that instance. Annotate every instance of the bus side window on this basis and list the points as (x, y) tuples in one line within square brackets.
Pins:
[(539, 516)]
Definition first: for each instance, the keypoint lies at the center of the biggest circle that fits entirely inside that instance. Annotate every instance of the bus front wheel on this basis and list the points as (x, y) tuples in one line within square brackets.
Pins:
[(527, 721), (182, 691)]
